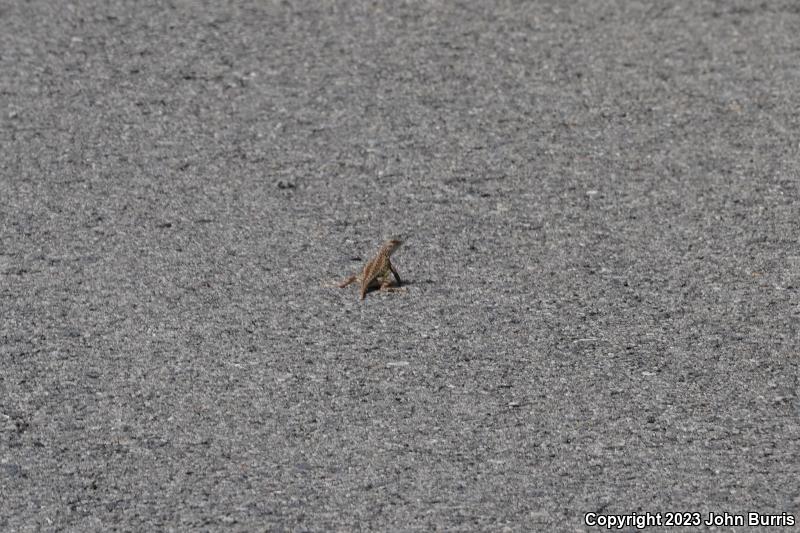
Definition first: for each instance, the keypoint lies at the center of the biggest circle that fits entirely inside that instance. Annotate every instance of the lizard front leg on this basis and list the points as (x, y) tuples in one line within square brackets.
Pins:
[(395, 274)]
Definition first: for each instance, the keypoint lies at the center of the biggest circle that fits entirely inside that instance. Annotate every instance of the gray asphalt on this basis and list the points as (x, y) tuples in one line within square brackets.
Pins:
[(601, 204)]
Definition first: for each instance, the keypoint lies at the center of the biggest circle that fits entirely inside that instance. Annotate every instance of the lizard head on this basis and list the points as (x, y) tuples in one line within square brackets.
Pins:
[(392, 245)]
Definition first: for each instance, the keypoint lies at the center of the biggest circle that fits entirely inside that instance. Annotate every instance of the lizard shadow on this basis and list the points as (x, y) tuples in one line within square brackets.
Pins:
[(414, 282), (395, 285), (405, 283)]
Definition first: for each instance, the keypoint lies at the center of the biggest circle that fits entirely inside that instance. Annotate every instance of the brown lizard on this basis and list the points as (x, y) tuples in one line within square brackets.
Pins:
[(376, 271)]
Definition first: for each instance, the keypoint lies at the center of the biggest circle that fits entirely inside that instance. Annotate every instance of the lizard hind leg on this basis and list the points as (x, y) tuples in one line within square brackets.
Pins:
[(348, 281), (388, 287)]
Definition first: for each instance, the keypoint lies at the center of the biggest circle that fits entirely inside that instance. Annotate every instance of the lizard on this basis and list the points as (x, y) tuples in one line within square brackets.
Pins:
[(376, 271)]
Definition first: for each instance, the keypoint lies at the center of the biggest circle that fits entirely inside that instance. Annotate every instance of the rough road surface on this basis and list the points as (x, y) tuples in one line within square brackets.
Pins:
[(602, 207)]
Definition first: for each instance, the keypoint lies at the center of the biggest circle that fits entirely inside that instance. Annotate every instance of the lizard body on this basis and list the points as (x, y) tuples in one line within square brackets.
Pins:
[(377, 270)]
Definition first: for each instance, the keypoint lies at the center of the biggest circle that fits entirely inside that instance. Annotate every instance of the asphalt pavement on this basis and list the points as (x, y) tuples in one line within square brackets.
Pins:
[(601, 209)]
